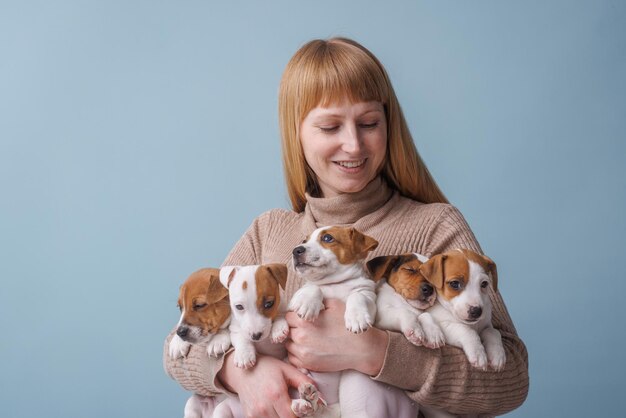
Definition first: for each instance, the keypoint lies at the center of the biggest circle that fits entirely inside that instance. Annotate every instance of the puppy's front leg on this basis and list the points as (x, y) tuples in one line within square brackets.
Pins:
[(463, 336), (400, 319), (360, 310), (219, 344), (245, 353), (280, 330), (307, 302), (495, 350), (433, 335), (178, 347)]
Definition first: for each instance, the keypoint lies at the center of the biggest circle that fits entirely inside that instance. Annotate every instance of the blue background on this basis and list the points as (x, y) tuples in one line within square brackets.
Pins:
[(139, 140)]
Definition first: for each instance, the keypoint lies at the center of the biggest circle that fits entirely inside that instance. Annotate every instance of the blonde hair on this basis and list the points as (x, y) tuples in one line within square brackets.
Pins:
[(324, 72)]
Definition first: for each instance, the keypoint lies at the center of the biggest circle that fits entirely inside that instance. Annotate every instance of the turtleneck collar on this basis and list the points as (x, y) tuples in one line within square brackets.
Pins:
[(347, 208)]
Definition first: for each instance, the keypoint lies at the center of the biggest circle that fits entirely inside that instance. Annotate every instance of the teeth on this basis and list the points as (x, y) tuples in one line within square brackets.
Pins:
[(351, 164)]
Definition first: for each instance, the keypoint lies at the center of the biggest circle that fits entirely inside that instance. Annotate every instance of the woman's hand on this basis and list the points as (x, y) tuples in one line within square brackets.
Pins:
[(325, 345), (262, 389)]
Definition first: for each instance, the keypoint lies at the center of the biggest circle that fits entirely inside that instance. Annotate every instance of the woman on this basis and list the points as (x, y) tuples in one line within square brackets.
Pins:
[(349, 159)]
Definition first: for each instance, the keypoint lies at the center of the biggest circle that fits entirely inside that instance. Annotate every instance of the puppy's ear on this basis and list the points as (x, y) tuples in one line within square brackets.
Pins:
[(279, 272), (380, 267), (362, 243), (216, 291), (432, 270), (491, 269), (226, 275)]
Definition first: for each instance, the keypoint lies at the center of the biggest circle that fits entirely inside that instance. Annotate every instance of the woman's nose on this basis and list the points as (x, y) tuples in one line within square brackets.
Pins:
[(350, 140)]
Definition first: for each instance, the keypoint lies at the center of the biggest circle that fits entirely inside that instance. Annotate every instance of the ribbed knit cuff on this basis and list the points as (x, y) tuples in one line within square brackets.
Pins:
[(402, 355), (197, 372)]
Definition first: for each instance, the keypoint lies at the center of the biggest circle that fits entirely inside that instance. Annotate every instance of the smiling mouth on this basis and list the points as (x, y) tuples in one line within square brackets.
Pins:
[(351, 164)]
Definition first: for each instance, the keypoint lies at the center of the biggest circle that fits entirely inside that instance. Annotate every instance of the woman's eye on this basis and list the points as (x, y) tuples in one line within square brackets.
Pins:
[(455, 284), (369, 125), (268, 304), (327, 238), (329, 129), (484, 284), (239, 307)]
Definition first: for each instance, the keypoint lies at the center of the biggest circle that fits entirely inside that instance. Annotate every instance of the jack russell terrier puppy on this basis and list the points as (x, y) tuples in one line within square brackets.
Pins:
[(258, 313), (462, 279), (205, 316), (402, 297), (332, 262)]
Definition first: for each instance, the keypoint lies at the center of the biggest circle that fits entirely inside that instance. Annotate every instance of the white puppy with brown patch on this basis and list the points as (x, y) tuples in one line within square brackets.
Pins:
[(462, 279), (258, 324), (332, 262)]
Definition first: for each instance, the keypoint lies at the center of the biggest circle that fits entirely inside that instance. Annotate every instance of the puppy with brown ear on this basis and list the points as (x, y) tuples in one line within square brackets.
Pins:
[(204, 319), (462, 279), (205, 315), (403, 295)]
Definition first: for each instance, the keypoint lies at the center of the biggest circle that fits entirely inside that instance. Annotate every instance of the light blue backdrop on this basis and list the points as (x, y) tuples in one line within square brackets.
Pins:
[(139, 140)]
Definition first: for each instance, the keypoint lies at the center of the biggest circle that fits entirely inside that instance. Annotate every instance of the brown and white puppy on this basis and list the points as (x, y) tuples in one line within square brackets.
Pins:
[(205, 315), (462, 279), (204, 319), (256, 307), (258, 313), (332, 263), (402, 296)]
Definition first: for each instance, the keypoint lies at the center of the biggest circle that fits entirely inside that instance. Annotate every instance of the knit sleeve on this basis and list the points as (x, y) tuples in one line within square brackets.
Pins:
[(197, 372), (443, 378)]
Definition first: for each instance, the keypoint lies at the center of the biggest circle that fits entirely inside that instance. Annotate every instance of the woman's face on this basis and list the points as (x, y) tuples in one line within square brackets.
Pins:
[(345, 145)]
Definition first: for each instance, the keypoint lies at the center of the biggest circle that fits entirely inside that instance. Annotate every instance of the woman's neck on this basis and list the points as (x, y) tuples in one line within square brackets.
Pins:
[(347, 208)]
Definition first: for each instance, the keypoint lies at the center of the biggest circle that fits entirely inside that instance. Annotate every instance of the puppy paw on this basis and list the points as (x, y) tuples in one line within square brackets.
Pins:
[(358, 322), (414, 334), (309, 402), (178, 347), (497, 358), (434, 337), (478, 358), (218, 345), (301, 408), (245, 358), (307, 310), (310, 393), (280, 331)]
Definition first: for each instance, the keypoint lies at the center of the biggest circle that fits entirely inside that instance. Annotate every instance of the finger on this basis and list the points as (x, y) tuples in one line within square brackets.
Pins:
[(283, 408), (294, 377), (293, 319), (295, 361)]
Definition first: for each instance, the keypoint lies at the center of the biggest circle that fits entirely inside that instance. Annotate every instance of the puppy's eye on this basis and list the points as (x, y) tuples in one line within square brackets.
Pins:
[(239, 307), (268, 304), (455, 284), (410, 270), (327, 238), (484, 284), (199, 306)]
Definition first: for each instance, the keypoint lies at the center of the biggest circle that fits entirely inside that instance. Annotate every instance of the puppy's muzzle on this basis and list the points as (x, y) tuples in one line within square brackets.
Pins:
[(182, 331), (426, 291), (474, 312)]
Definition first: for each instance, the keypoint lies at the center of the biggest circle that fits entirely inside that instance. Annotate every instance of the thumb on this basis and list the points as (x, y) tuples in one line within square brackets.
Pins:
[(294, 377)]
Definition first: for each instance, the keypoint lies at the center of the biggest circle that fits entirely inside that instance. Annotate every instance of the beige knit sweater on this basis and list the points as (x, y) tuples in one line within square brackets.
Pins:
[(442, 378)]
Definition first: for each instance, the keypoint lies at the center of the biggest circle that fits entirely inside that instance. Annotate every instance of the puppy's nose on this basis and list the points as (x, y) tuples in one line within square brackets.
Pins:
[(256, 336), (475, 312), (427, 290), (299, 250), (182, 331)]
